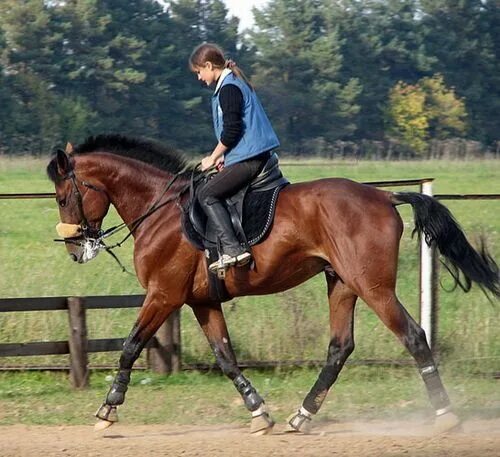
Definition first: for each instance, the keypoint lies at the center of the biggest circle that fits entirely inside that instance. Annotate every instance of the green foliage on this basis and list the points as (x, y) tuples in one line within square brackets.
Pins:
[(322, 69), (463, 37), (426, 110), (407, 116), (297, 70), (381, 45), (446, 113)]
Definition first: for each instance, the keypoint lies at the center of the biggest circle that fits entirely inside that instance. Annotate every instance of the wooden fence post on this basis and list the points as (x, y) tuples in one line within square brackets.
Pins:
[(78, 343), (165, 356)]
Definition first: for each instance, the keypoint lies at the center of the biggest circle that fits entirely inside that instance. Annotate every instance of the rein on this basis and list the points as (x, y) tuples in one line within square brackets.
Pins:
[(93, 239)]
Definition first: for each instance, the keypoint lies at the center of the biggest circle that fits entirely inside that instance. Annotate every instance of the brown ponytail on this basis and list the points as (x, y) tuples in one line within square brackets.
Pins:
[(209, 52)]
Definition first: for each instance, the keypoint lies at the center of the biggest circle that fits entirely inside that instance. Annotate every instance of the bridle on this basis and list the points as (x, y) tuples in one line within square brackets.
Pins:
[(92, 239)]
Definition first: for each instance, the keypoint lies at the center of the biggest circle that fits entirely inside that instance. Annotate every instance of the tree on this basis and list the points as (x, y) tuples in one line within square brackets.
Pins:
[(463, 37), (406, 116), (105, 53), (297, 71), (445, 112), (423, 111), (381, 44), (27, 50)]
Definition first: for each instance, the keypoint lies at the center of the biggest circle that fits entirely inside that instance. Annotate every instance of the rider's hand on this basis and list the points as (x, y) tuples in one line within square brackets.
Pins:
[(219, 163), (207, 162)]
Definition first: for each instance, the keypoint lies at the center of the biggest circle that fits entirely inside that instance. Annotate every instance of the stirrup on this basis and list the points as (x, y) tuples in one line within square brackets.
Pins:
[(225, 261)]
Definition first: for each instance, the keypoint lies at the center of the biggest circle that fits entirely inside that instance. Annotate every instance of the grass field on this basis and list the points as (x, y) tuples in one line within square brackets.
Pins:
[(32, 265)]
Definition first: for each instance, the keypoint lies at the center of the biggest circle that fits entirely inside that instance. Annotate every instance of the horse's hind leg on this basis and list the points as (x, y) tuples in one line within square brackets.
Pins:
[(342, 301), (396, 318), (153, 313), (211, 320)]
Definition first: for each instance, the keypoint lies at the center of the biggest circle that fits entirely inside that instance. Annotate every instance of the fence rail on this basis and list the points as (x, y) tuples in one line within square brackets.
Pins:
[(164, 350), (59, 347), (61, 303)]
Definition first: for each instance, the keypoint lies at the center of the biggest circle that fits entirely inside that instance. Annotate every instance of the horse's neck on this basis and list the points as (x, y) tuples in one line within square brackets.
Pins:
[(131, 186)]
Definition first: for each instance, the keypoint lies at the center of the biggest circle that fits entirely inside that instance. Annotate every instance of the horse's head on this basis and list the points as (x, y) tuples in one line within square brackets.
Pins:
[(82, 206)]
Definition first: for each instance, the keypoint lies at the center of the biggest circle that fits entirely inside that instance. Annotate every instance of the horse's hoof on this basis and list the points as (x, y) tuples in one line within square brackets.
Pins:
[(447, 422), (262, 423), (299, 423), (102, 424)]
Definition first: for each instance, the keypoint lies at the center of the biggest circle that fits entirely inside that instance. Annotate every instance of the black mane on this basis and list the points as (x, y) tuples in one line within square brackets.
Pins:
[(145, 150)]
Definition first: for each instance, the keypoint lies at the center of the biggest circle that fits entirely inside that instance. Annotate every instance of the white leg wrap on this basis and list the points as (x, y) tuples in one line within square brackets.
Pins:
[(300, 421), (260, 410), (305, 412), (440, 412)]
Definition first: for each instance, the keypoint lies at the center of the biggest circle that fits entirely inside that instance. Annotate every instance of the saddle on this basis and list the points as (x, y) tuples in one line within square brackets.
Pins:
[(251, 211)]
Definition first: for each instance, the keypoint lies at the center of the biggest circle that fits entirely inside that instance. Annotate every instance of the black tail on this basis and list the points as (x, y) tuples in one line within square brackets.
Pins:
[(439, 227)]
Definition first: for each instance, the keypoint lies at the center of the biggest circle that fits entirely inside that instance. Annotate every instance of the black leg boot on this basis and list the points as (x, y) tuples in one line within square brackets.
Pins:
[(233, 252)]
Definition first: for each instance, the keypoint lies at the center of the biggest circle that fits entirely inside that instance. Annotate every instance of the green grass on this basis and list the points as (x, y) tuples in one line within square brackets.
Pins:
[(287, 326), (203, 399)]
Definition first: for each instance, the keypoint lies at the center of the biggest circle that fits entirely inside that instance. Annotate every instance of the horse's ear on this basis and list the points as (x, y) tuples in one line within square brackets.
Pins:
[(63, 163), (69, 148)]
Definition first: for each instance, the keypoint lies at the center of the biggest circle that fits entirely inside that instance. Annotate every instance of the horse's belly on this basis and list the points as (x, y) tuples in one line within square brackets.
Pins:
[(284, 276)]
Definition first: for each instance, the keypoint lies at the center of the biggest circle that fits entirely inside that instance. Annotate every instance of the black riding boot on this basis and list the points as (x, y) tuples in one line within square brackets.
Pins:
[(233, 252)]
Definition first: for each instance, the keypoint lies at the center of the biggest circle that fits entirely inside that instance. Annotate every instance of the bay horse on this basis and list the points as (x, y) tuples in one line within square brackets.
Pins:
[(348, 231)]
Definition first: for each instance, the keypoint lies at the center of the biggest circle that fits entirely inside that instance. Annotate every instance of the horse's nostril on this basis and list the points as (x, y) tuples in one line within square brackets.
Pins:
[(74, 258)]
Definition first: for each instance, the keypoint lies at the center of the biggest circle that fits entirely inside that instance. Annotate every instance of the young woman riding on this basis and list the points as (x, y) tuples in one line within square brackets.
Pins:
[(245, 139)]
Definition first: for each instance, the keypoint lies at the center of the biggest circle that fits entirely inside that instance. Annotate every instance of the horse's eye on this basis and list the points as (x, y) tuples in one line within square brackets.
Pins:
[(61, 202)]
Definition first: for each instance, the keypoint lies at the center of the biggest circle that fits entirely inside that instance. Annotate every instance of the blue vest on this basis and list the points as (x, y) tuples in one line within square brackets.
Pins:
[(258, 135)]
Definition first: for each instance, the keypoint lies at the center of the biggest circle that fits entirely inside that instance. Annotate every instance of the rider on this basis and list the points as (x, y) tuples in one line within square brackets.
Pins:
[(245, 141)]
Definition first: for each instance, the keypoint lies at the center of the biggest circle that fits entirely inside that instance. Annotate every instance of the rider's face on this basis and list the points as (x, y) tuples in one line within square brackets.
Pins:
[(207, 73)]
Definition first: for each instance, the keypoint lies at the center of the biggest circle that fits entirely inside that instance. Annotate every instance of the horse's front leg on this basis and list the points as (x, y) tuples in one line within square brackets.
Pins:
[(211, 320), (153, 314)]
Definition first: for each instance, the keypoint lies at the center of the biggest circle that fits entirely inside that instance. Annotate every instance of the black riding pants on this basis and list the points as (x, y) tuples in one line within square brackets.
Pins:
[(231, 179)]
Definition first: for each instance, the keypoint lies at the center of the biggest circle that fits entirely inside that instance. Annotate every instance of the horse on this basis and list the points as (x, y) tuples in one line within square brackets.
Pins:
[(348, 231)]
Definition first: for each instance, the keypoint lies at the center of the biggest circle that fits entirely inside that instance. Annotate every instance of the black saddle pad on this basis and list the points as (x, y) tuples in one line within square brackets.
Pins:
[(257, 217)]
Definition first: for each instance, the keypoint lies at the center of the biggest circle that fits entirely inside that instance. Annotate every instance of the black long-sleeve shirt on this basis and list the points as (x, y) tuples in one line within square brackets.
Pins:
[(231, 103)]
